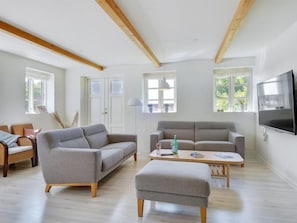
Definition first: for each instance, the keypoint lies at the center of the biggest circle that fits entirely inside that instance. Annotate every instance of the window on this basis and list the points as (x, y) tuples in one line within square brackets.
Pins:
[(232, 91), (158, 100), (39, 91)]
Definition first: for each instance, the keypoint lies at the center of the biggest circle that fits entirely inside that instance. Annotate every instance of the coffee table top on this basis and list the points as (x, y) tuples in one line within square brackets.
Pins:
[(209, 157)]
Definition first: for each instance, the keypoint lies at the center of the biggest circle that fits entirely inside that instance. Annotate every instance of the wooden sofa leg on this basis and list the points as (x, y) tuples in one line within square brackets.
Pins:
[(94, 189), (33, 162), (135, 156), (48, 187), (5, 170), (140, 207), (203, 215)]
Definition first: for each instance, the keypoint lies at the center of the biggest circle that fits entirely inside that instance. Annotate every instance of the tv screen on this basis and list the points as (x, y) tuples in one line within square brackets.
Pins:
[(276, 102)]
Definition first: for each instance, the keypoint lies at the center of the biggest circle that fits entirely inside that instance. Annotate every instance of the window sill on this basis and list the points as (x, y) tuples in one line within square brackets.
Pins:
[(160, 112)]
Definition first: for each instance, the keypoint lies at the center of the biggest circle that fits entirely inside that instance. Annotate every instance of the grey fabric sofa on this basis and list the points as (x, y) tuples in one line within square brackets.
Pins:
[(203, 136), (82, 156)]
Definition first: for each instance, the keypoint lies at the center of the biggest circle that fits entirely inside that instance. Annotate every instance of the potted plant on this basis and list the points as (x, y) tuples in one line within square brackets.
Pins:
[(242, 104), (150, 107), (166, 106)]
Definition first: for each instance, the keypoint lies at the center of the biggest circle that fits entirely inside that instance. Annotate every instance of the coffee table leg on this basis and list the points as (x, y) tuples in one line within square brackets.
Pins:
[(228, 175)]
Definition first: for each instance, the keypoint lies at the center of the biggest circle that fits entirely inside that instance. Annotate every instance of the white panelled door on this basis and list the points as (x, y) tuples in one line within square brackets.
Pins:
[(106, 103)]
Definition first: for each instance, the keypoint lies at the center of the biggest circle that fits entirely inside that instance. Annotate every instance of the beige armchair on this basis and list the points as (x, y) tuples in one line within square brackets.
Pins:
[(10, 155), (26, 129)]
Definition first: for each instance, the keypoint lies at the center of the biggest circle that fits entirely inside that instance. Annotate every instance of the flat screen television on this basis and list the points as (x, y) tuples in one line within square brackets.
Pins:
[(277, 104)]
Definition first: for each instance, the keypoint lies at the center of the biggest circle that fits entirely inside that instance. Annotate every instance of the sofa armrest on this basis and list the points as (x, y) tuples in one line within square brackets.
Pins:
[(114, 138), (25, 141), (239, 142), (3, 150), (155, 137), (71, 165)]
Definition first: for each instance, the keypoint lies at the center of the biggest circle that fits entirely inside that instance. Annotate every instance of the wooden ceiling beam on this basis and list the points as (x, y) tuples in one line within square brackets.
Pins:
[(111, 8), (241, 12), (36, 40)]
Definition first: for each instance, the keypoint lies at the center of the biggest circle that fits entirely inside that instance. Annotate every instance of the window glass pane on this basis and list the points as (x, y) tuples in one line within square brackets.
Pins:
[(240, 104), (168, 94), (153, 83), (168, 101), (117, 87), (240, 91), (170, 82), (95, 88), (156, 98), (239, 80), (231, 91), (222, 92), (39, 91), (222, 81), (222, 104), (153, 94)]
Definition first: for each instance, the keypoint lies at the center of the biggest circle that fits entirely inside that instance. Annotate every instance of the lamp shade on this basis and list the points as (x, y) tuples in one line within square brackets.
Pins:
[(134, 102), (164, 85)]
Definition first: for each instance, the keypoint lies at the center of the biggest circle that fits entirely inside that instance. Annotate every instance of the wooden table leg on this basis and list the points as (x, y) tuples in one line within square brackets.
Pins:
[(228, 175)]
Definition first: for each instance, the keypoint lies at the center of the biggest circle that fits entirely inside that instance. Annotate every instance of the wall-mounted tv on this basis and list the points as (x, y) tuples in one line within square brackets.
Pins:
[(277, 104)]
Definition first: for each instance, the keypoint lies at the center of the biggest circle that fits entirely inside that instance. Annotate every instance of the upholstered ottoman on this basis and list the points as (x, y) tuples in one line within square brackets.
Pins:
[(184, 183)]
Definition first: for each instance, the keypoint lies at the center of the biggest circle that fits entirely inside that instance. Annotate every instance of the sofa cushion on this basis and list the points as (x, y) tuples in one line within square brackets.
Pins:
[(72, 137), (213, 131), (223, 146), (212, 134), (127, 147), (182, 144), (96, 135), (110, 157), (182, 130)]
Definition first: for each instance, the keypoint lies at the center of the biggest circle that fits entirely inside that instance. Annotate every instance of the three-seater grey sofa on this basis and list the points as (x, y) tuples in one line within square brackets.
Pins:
[(82, 156), (203, 136)]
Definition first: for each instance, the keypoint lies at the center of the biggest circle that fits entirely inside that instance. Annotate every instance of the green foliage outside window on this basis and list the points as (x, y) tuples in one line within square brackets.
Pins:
[(231, 93)]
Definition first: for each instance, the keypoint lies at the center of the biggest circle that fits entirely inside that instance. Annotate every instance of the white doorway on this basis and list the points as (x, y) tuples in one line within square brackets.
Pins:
[(105, 97)]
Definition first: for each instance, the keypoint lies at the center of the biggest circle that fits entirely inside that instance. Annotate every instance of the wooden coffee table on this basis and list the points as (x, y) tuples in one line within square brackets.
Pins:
[(213, 158)]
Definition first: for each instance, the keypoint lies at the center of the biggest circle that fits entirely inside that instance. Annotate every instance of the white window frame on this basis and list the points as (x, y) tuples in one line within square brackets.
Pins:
[(48, 91), (230, 73), (170, 77)]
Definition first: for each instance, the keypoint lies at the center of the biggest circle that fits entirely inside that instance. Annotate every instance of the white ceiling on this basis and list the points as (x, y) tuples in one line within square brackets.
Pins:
[(175, 30)]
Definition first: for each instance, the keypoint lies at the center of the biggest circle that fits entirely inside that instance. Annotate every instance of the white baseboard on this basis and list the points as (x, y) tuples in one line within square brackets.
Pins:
[(278, 173)]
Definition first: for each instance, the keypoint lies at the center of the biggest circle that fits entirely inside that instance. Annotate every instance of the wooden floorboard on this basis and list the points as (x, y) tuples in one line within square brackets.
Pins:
[(256, 195)]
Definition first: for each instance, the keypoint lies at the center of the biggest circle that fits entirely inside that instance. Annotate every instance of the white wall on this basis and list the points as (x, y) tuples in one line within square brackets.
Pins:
[(194, 97), (12, 89), (280, 150)]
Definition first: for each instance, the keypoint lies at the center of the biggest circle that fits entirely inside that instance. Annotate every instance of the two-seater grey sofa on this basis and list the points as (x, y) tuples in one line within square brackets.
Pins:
[(203, 136), (82, 156)]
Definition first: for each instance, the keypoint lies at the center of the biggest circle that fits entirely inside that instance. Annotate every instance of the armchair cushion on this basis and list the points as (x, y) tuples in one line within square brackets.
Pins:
[(18, 149), (9, 139)]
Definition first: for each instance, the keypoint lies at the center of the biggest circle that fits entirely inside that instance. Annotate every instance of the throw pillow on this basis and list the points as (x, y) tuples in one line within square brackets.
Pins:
[(31, 132)]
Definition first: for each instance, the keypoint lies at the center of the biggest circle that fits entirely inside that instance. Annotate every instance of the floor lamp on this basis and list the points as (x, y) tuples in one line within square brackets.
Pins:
[(134, 102)]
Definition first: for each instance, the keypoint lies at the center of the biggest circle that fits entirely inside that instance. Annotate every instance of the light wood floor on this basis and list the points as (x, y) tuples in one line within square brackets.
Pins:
[(256, 195)]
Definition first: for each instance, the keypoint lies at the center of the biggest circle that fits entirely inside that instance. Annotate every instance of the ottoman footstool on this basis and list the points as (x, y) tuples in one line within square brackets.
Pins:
[(184, 183)]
